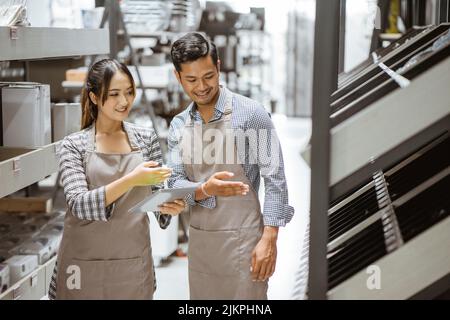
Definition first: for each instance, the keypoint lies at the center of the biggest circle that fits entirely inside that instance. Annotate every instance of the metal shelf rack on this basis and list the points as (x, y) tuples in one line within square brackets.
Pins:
[(21, 167)]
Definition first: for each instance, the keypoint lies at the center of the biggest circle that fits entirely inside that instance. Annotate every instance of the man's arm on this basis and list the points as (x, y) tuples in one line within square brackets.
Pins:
[(276, 212), (179, 178), (207, 191)]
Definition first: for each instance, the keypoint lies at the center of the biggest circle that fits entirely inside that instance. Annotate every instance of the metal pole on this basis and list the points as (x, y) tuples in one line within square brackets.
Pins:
[(326, 60), (419, 12), (342, 31), (135, 63), (443, 11), (113, 20)]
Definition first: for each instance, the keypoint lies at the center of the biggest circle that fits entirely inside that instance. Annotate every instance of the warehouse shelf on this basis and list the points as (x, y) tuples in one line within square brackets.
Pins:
[(420, 262), (21, 167), (30, 43), (358, 141), (33, 286)]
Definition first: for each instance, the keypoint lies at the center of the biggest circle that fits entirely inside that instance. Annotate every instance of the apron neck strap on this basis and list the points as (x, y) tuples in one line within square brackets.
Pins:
[(128, 130), (226, 113), (228, 105), (91, 138)]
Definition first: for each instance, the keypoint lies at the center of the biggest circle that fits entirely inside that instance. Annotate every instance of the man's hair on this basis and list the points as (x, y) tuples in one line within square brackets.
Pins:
[(192, 47)]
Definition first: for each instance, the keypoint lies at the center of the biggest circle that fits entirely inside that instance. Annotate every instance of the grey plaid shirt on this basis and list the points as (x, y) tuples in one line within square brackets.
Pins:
[(247, 115)]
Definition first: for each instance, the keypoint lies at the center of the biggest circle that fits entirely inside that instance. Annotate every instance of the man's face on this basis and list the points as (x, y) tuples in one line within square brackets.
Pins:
[(200, 80)]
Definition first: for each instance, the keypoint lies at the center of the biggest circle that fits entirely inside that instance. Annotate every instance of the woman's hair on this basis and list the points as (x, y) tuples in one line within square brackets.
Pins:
[(98, 81)]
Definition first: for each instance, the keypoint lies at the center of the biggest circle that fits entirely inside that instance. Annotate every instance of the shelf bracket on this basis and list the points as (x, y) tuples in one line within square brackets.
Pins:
[(16, 165), (13, 33)]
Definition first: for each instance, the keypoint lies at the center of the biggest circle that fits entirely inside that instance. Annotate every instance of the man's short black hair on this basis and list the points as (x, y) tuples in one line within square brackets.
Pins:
[(192, 47)]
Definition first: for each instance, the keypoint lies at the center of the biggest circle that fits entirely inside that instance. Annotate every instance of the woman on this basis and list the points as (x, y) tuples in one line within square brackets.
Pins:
[(107, 168)]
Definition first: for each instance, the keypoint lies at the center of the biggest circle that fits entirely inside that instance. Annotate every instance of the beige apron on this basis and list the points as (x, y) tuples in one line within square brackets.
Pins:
[(114, 258), (221, 240)]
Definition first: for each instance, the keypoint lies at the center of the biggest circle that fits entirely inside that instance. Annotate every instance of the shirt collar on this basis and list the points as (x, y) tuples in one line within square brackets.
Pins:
[(219, 109)]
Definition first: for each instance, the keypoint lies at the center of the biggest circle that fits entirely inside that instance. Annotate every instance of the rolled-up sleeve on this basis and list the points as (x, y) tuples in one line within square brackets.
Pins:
[(277, 212), (179, 178), (83, 203)]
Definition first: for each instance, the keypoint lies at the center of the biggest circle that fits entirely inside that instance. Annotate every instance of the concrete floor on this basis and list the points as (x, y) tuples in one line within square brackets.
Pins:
[(172, 275)]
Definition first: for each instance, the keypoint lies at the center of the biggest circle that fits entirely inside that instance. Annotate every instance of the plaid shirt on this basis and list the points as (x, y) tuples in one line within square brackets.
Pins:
[(247, 115), (90, 204)]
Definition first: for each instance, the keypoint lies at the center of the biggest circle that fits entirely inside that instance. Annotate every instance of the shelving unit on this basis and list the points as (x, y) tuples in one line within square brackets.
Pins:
[(32, 287), (388, 211), (21, 167), (28, 43)]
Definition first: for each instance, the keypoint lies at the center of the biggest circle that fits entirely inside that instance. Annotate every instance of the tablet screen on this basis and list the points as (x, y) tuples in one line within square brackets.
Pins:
[(159, 197)]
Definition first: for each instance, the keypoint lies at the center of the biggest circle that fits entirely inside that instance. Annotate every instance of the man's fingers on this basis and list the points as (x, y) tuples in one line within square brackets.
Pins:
[(229, 184), (262, 271), (252, 267), (269, 270), (272, 271), (223, 175), (256, 269), (233, 190)]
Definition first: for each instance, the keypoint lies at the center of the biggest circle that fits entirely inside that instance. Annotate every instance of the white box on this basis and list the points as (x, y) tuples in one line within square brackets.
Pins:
[(155, 77), (20, 266), (164, 242), (4, 277), (26, 116), (44, 247), (28, 230), (66, 119), (12, 241)]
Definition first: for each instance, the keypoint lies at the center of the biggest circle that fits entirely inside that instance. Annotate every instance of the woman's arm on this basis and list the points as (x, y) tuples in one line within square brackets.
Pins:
[(97, 204), (83, 203)]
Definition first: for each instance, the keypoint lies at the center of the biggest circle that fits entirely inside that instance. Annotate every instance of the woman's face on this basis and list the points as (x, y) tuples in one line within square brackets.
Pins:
[(120, 98)]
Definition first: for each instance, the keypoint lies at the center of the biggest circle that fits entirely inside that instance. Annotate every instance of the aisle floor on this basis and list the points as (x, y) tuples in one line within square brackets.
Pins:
[(294, 133)]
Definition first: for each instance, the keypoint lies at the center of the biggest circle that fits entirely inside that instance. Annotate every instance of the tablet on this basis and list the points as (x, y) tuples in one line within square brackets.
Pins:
[(159, 197)]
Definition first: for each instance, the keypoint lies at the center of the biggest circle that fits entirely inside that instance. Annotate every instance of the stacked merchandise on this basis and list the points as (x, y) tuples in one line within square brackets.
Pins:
[(143, 17), (27, 240), (146, 16), (185, 15), (25, 106), (13, 13), (389, 171)]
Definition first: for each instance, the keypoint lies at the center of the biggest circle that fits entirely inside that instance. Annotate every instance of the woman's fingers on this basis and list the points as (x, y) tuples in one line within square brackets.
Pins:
[(151, 164), (177, 205)]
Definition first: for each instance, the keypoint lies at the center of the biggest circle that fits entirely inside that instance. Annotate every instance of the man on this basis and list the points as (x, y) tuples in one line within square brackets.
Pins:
[(216, 144)]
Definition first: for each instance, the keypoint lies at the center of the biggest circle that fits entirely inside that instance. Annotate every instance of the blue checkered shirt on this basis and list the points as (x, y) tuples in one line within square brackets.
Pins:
[(247, 114)]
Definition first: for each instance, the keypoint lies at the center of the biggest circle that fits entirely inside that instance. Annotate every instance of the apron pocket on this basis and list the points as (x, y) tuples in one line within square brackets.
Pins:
[(214, 252), (109, 279), (87, 274), (124, 279)]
